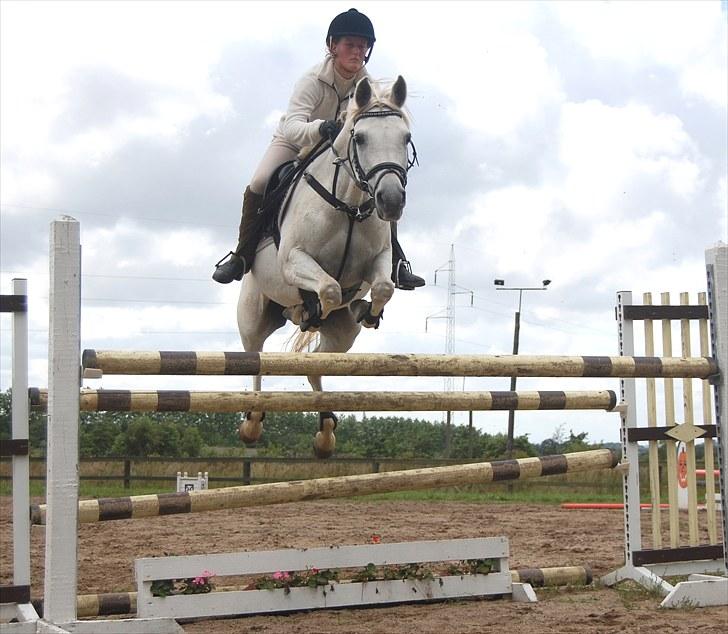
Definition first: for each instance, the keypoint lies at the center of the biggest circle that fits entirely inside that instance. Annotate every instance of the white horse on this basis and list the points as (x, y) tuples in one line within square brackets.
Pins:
[(333, 246)]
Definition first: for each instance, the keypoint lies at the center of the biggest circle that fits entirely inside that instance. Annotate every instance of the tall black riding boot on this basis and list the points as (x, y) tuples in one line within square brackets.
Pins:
[(251, 226), (402, 274)]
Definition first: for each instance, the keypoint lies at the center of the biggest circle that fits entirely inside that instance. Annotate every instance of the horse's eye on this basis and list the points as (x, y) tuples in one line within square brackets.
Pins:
[(407, 137), (359, 139)]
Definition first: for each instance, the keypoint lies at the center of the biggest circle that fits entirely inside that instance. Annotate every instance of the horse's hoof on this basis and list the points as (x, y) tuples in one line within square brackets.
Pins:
[(361, 309), (330, 299), (250, 430), (324, 447)]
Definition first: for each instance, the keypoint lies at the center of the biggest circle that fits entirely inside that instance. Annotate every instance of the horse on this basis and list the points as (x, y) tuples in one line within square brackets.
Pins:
[(335, 242)]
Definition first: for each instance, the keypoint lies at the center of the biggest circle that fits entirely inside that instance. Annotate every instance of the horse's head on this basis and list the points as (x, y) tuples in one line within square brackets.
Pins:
[(378, 136)]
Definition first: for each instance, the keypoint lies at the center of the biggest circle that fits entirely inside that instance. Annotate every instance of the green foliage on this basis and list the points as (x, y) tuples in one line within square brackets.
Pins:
[(36, 423), (559, 443)]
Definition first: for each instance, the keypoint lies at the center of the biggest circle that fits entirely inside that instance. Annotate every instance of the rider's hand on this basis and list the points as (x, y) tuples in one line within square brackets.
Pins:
[(329, 130)]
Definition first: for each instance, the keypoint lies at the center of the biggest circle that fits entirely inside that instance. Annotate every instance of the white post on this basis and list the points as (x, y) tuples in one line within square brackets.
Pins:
[(716, 262), (21, 464), (630, 451), (63, 410)]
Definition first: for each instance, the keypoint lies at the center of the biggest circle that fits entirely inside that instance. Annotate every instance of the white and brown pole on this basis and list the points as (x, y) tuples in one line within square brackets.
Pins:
[(140, 506)]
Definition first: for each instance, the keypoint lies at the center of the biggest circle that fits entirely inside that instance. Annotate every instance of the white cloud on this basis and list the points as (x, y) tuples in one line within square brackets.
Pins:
[(589, 184), (494, 70), (604, 150), (687, 37)]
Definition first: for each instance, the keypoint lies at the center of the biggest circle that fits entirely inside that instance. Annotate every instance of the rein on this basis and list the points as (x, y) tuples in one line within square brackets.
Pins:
[(352, 165)]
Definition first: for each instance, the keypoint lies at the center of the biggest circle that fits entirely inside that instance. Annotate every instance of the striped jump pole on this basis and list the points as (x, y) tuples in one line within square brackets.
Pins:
[(232, 402), (134, 507), (381, 364)]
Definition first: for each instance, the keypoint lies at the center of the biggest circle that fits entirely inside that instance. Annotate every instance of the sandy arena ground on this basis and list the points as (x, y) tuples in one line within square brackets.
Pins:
[(539, 535)]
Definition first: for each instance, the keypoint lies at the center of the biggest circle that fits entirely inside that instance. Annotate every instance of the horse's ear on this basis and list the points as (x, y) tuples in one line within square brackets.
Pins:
[(399, 91), (363, 93)]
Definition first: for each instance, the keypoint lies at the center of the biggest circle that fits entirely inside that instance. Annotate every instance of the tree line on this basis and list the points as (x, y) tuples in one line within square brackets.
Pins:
[(173, 434)]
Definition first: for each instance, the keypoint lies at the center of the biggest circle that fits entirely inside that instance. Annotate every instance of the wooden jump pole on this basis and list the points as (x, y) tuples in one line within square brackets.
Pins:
[(326, 488), (380, 364), (232, 402)]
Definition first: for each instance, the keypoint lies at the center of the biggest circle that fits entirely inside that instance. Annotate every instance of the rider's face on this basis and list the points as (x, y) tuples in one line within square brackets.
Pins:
[(349, 53)]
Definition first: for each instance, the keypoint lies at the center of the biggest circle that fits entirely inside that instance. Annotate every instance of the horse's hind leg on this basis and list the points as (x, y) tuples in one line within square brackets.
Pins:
[(337, 334), (258, 318)]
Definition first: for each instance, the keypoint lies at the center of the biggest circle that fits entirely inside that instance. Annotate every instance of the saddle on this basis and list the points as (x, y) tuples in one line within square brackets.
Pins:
[(278, 186)]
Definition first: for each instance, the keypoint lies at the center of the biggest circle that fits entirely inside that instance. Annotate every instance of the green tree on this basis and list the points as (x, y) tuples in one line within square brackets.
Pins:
[(139, 439), (190, 444)]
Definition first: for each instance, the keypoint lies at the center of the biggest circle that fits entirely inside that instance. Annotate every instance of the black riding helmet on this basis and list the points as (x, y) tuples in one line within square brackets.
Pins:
[(352, 22)]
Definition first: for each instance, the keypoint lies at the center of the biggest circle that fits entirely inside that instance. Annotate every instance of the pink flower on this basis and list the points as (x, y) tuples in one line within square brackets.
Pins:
[(281, 576), (203, 578)]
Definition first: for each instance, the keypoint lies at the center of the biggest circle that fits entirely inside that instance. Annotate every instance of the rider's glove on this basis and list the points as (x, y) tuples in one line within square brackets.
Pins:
[(329, 130)]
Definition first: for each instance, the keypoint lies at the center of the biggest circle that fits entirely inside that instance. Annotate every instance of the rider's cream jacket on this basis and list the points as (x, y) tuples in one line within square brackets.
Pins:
[(319, 95)]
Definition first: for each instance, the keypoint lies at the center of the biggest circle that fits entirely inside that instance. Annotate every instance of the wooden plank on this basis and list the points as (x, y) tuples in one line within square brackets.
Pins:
[(15, 594), (689, 414), (217, 604), (681, 553), (104, 509), (670, 443), (16, 303), (698, 591), (653, 456), (332, 595), (265, 561), (683, 311), (708, 442), (14, 447), (381, 364), (642, 434), (242, 401), (61, 547)]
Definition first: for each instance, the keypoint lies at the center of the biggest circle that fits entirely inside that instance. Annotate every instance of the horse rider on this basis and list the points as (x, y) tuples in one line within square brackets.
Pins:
[(318, 99)]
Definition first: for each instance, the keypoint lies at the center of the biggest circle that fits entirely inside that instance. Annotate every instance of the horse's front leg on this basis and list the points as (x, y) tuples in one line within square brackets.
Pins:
[(300, 270), (382, 289), (337, 334), (382, 284), (258, 318), (251, 428)]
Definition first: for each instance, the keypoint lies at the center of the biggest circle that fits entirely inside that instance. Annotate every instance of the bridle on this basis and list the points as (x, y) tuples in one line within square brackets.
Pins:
[(362, 178), (351, 164)]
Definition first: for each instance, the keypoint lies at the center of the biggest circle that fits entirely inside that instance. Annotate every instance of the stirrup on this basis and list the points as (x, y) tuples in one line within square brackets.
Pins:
[(408, 267), (231, 267)]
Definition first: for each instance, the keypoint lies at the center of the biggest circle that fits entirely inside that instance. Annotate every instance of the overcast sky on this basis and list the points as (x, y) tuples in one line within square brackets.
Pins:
[(583, 142)]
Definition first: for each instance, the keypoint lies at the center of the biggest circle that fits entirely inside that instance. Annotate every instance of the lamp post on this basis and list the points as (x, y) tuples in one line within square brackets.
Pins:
[(500, 286)]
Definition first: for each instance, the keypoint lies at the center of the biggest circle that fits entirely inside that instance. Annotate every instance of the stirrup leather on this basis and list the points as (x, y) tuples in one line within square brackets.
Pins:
[(225, 257)]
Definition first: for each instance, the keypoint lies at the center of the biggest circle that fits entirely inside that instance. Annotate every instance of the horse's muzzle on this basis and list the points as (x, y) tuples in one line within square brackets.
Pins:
[(390, 200)]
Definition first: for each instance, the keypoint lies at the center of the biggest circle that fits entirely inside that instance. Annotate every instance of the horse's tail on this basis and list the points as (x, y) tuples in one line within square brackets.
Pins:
[(302, 341)]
